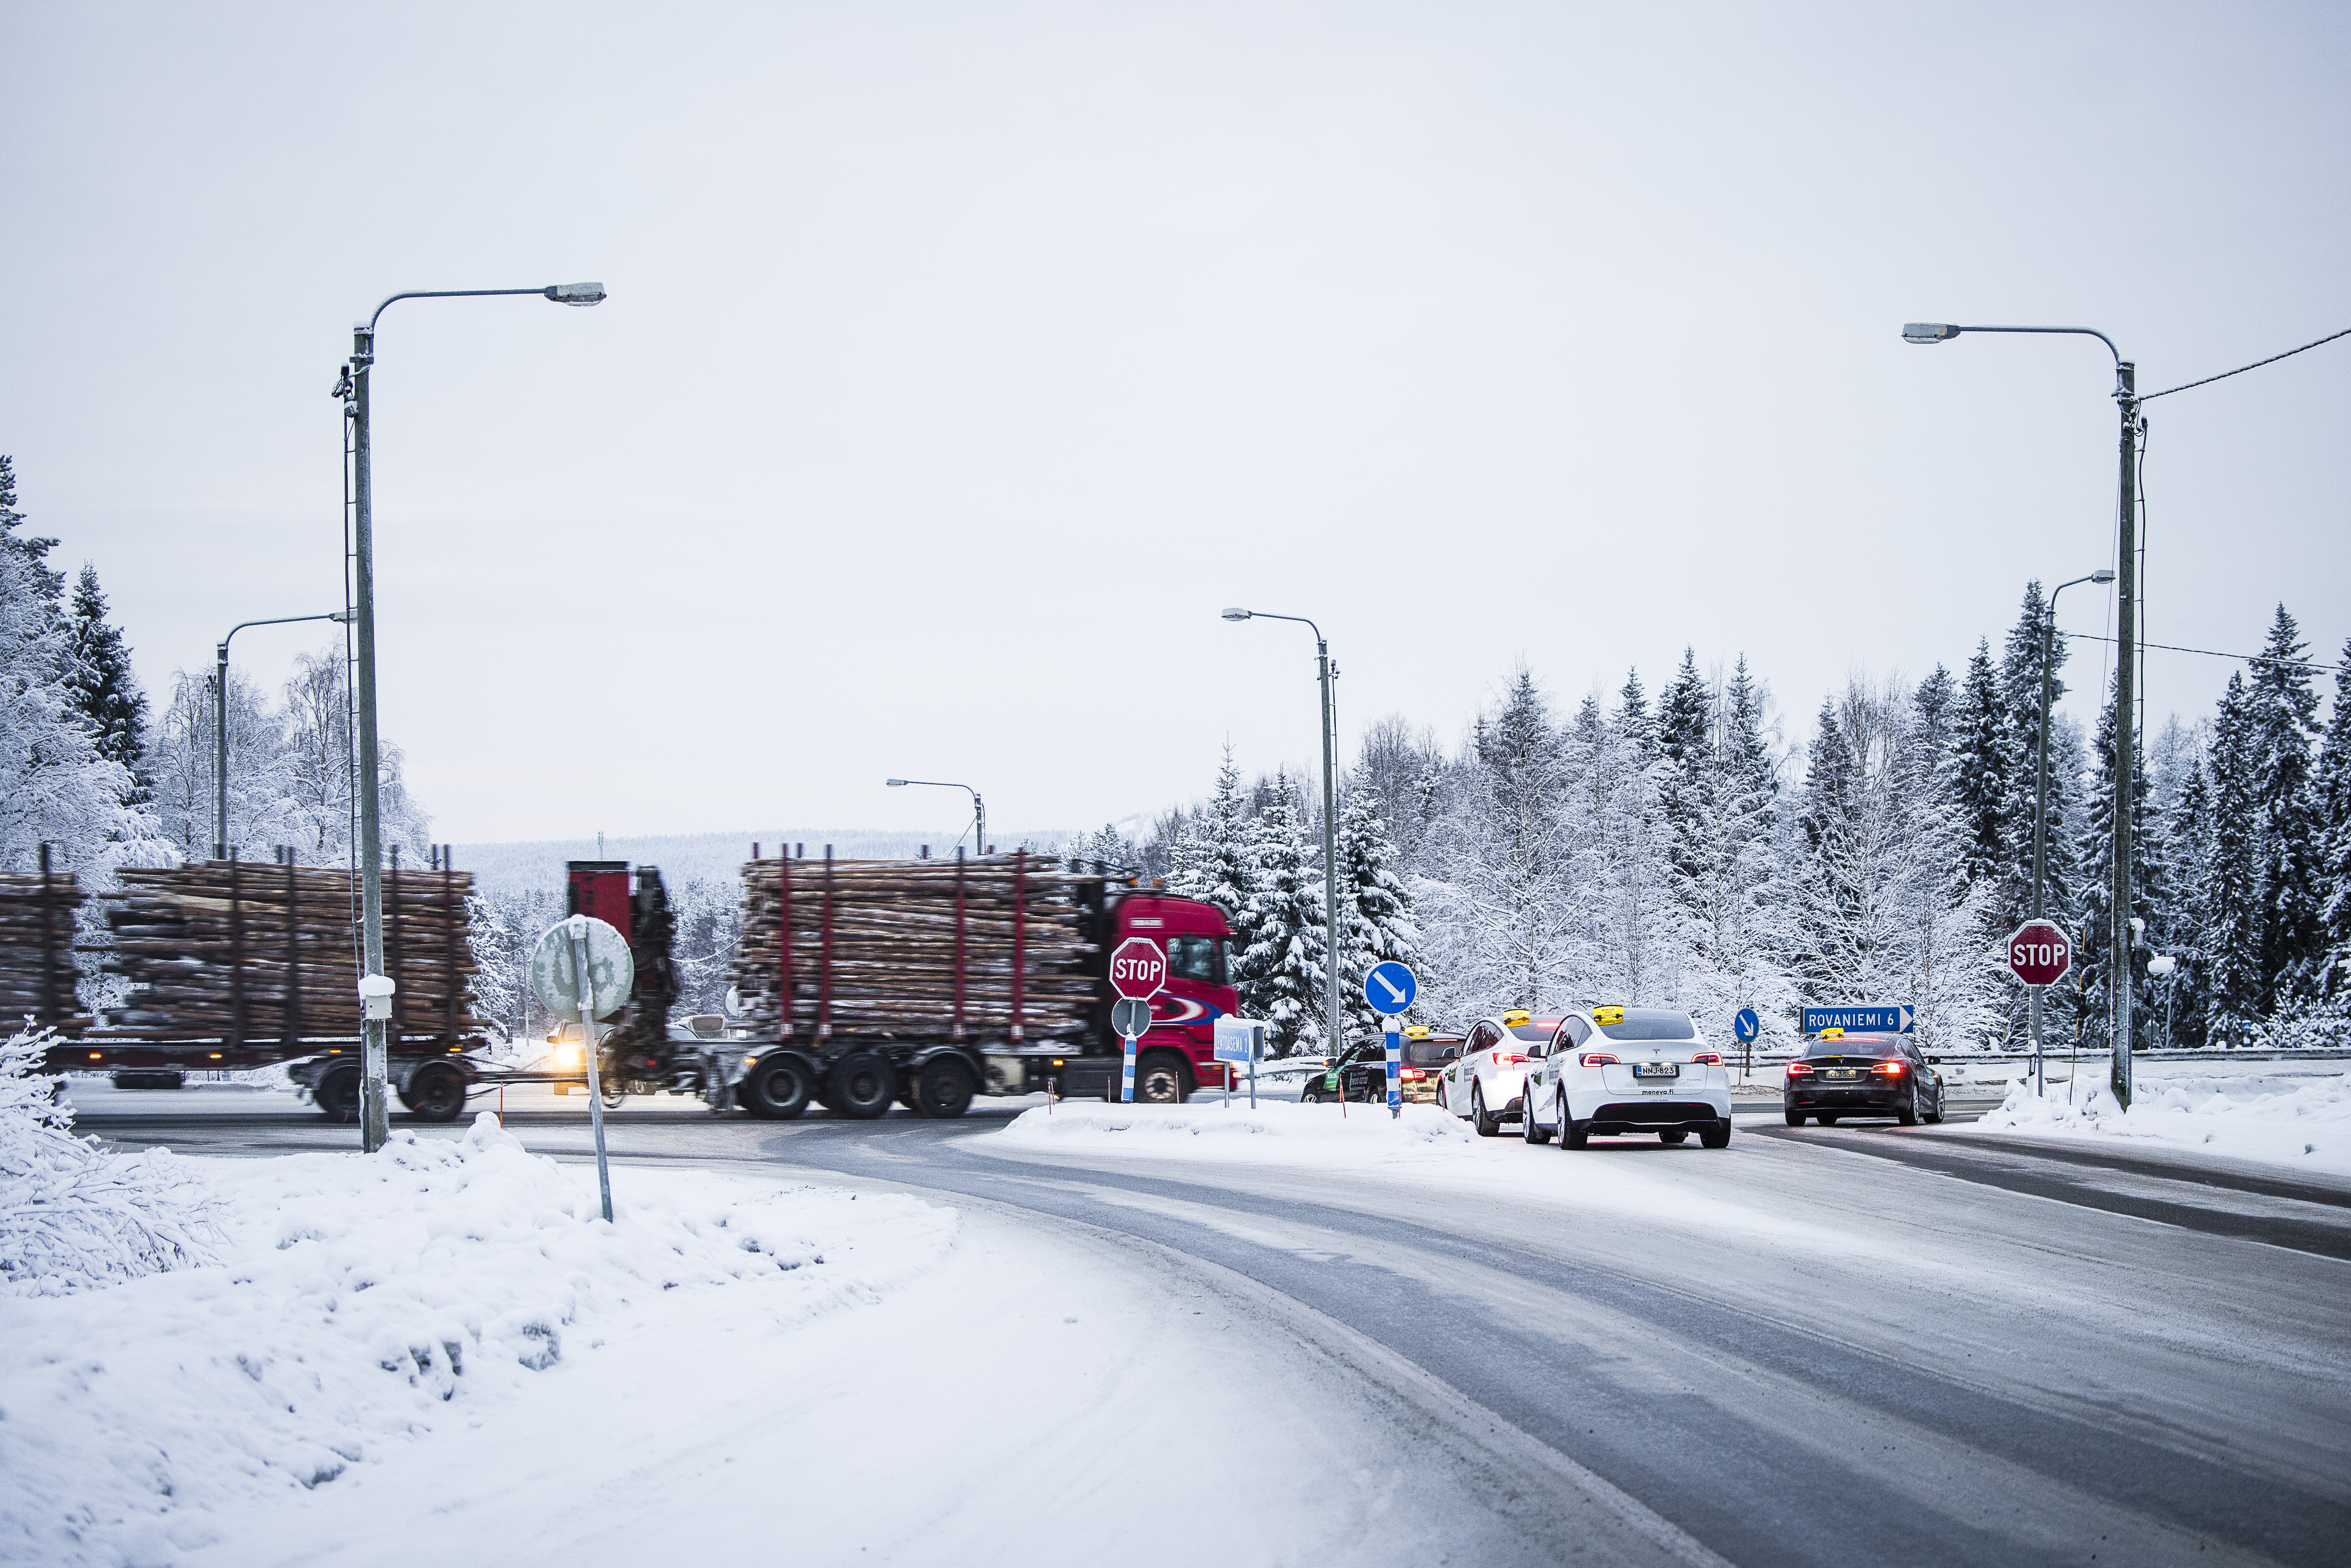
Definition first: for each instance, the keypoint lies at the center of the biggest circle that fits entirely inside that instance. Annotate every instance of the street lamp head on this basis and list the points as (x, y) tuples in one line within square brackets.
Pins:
[(895, 783), (1237, 613), (1928, 331), (2104, 574), (576, 293), (343, 617)]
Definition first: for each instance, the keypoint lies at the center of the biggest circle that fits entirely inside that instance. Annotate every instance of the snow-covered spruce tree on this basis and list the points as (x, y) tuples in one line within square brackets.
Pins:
[(1980, 776), (1375, 909), (2185, 832), (2331, 812), (105, 691), (1741, 926), (1629, 877), (2232, 933), (1953, 980), (1117, 853), (1284, 967), (2094, 955), (1213, 862), (2020, 687), (2282, 710), (71, 1217)]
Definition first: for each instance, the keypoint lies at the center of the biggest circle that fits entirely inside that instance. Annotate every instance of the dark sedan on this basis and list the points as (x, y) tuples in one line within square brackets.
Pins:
[(1843, 1074), (1362, 1075)]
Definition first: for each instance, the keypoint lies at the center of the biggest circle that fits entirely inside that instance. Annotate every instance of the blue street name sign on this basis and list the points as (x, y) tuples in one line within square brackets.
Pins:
[(1746, 1026), (1390, 988), (1870, 1020)]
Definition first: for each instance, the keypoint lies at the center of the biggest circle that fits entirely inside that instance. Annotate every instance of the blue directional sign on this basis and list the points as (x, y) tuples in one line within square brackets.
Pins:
[(1390, 988), (1866, 1020), (1746, 1026)]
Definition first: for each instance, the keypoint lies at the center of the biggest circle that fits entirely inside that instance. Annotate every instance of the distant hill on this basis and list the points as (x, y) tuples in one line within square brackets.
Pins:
[(710, 857)]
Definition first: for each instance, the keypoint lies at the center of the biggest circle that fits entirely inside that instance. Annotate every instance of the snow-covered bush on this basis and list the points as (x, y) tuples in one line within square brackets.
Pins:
[(71, 1217)]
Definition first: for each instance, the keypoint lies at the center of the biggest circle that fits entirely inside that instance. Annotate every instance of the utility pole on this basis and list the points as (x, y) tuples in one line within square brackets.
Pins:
[(375, 1115), (2040, 792), (2126, 727)]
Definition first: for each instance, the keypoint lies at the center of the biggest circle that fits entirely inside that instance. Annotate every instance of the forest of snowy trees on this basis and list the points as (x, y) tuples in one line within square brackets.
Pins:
[(1672, 851), (1676, 850)]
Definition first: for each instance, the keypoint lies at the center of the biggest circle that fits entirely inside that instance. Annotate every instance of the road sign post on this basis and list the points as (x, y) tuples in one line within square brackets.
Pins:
[(1390, 988), (1745, 1027), (584, 966), (2040, 954), (1138, 972)]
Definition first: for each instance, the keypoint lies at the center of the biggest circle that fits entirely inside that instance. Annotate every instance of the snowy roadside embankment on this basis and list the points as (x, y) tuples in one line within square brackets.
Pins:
[(2298, 1120), (1276, 1129), (350, 1305)]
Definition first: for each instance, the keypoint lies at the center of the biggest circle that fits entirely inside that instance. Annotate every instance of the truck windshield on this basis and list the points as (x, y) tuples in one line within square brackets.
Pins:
[(1651, 1023)]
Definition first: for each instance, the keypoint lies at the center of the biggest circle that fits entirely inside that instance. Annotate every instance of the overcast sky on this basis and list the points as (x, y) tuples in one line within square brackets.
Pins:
[(962, 361)]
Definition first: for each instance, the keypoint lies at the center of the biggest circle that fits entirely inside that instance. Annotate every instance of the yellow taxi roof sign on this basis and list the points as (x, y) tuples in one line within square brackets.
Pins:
[(1517, 1016), (1416, 1030), (1831, 1034), (1607, 1015)]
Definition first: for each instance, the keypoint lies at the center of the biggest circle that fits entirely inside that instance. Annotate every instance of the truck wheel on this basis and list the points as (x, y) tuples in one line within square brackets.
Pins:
[(436, 1092), (336, 1092), (862, 1085), (941, 1087), (1160, 1079), (775, 1090)]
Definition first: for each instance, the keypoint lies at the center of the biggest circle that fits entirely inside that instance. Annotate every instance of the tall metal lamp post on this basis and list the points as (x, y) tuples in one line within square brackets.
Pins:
[(1336, 1037), (220, 720), (2040, 788), (2126, 401), (374, 1114), (978, 806)]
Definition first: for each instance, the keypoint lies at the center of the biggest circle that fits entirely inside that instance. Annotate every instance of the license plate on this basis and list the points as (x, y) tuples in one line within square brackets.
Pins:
[(1842, 1072), (1655, 1069)]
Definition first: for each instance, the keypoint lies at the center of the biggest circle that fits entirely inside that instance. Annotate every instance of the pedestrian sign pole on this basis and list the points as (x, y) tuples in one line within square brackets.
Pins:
[(1390, 988), (584, 966), (1138, 972)]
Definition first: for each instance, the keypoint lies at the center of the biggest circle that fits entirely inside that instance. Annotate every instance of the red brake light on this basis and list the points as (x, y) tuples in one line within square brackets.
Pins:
[(1589, 1058), (1891, 1068), (1401, 1073), (1501, 1058), (1795, 1069), (1703, 1059)]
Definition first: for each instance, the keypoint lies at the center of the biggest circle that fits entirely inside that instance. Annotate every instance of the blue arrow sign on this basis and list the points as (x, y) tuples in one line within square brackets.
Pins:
[(1390, 988), (1865, 1019), (1746, 1026)]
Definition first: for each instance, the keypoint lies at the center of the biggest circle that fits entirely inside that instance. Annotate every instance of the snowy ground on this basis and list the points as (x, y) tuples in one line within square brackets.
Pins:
[(2274, 1112)]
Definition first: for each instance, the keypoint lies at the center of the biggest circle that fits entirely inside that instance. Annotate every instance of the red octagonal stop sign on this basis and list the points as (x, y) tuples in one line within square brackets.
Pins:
[(1138, 968), (2039, 953)]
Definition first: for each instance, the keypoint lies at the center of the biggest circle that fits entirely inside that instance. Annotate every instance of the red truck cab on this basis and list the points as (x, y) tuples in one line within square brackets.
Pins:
[(1199, 974)]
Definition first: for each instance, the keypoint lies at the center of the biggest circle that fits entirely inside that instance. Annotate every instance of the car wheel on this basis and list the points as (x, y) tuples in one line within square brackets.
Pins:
[(1717, 1137), (1937, 1119), (1576, 1134), (1488, 1126), (1670, 1135), (1529, 1131), (862, 1085), (1310, 1096), (1795, 1118), (1907, 1112), (777, 1090)]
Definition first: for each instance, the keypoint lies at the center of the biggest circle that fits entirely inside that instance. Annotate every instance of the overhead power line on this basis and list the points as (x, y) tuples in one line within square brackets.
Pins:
[(2211, 652), (2240, 370)]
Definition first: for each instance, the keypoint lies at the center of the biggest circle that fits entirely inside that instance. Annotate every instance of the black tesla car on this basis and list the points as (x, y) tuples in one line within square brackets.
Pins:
[(1843, 1074), (1362, 1072)]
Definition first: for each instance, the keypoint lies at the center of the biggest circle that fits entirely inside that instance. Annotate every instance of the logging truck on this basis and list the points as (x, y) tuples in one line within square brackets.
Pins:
[(858, 983)]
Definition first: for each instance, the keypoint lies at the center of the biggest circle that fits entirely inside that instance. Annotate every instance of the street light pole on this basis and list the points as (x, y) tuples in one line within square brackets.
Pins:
[(2040, 792), (2126, 402), (1336, 1037), (978, 806), (220, 721), (375, 1115)]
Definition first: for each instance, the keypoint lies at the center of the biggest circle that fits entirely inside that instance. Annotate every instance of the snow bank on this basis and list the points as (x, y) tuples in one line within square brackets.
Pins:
[(1276, 1129), (2294, 1119), (359, 1302), (72, 1218)]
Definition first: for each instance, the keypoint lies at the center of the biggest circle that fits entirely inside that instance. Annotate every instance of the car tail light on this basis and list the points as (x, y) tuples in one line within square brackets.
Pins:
[(1706, 1057), (1891, 1068), (1799, 1069), (1408, 1072), (1597, 1058)]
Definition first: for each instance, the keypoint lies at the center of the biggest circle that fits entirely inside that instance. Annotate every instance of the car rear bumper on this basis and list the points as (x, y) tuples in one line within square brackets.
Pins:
[(1842, 1098), (1650, 1116)]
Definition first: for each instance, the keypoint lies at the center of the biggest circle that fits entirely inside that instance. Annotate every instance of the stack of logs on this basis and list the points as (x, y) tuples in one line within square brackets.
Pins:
[(917, 949), (249, 953), (37, 947)]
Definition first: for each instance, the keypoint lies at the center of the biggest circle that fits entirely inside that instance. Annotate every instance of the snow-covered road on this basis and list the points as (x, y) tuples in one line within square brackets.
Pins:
[(1859, 1346)]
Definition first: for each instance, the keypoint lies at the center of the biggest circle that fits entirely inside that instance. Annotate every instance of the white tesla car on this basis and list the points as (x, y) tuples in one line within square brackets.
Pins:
[(1483, 1084), (1624, 1072)]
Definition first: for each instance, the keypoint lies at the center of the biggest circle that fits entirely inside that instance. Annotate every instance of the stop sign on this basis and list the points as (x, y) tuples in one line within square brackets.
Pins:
[(1138, 968), (2039, 953)]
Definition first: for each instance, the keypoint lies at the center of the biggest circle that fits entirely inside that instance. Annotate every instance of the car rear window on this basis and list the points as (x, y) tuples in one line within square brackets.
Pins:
[(1873, 1046), (1427, 1052), (1651, 1023), (1535, 1031)]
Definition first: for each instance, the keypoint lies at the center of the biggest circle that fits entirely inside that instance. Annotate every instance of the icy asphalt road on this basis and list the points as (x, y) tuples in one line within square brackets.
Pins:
[(1866, 1345)]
